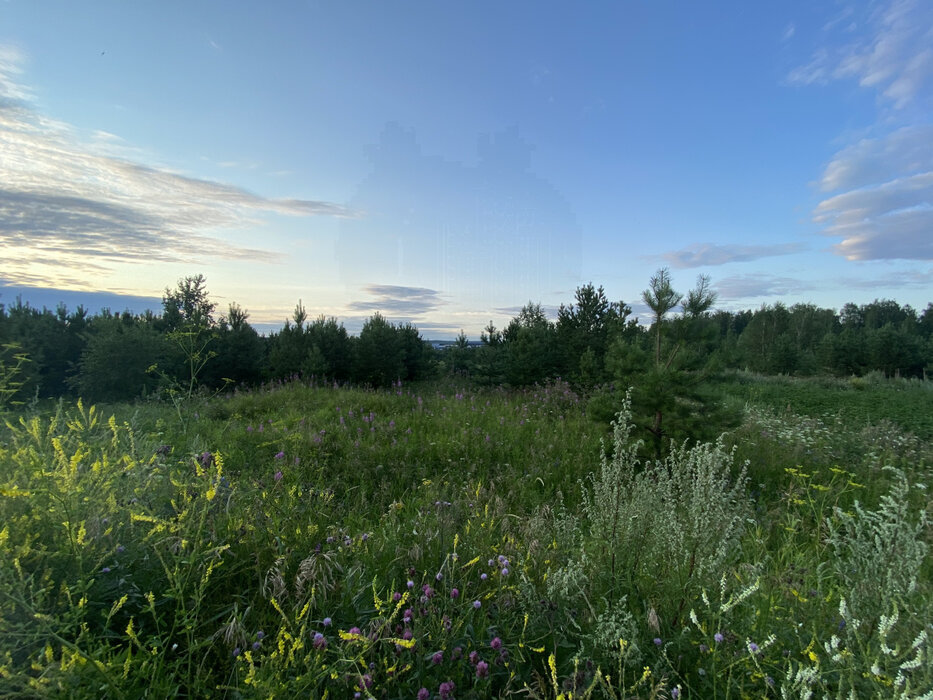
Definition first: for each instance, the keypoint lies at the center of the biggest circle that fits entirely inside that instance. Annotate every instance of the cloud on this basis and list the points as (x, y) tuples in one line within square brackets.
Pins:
[(78, 200), (881, 201), (393, 300), (886, 208), (788, 32), (902, 152), (893, 55), (707, 254), (901, 280), (758, 285)]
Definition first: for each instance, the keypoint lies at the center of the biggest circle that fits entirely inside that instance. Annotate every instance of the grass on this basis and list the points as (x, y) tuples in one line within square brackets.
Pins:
[(442, 541)]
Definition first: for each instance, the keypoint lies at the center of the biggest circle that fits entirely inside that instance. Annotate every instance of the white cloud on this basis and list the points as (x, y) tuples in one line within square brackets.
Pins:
[(76, 202), (885, 208), (707, 254), (892, 55), (755, 286)]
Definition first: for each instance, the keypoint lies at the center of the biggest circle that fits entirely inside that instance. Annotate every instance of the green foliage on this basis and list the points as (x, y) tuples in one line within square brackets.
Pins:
[(259, 550), (12, 362)]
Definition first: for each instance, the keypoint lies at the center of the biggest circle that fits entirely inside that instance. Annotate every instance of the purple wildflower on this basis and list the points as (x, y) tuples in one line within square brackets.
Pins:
[(278, 475), (482, 669), (477, 604), (474, 657), (446, 690), (326, 622), (256, 646), (320, 641), (280, 455), (752, 647), (396, 596), (410, 584), (260, 635), (424, 694), (496, 643), (355, 630), (483, 576), (438, 658), (718, 637), (505, 571), (454, 593), (657, 641), (105, 570), (236, 652)]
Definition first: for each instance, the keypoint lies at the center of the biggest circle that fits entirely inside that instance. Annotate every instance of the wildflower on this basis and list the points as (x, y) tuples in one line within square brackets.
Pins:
[(120, 549), (438, 576), (454, 593), (428, 591), (474, 657), (320, 641), (482, 669), (483, 576), (752, 647), (236, 652), (477, 604), (718, 637), (406, 635), (703, 648), (355, 630), (702, 671), (278, 475), (437, 658), (280, 455), (424, 694), (326, 621), (491, 562), (496, 643), (260, 635), (457, 653), (446, 690), (256, 646), (396, 597), (502, 560), (675, 692), (410, 584), (105, 570), (407, 615), (505, 571), (658, 642)]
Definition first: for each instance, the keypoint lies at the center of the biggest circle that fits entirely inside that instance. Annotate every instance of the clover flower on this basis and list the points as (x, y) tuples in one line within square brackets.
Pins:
[(280, 455), (482, 669), (446, 690), (438, 658), (278, 475), (454, 593), (424, 694), (496, 643), (320, 641)]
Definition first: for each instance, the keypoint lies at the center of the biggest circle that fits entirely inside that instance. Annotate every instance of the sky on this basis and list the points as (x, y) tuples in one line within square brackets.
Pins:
[(444, 163)]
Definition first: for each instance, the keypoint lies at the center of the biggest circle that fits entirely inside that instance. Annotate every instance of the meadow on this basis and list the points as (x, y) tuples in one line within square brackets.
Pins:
[(438, 540)]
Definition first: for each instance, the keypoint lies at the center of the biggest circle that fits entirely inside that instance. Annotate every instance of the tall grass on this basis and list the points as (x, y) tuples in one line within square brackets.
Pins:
[(438, 541)]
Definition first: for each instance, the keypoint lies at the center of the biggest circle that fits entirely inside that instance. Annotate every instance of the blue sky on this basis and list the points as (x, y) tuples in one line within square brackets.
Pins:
[(444, 163)]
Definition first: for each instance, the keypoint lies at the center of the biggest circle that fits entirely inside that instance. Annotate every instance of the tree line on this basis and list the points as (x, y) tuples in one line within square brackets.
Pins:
[(593, 342)]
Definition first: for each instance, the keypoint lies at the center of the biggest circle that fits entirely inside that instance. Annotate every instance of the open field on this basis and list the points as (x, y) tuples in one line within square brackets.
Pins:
[(442, 541)]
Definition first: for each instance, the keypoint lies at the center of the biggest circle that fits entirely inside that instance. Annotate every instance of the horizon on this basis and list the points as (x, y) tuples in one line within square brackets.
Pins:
[(444, 165)]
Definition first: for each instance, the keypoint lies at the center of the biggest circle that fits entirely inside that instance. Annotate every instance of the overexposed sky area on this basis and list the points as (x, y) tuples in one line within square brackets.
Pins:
[(445, 163)]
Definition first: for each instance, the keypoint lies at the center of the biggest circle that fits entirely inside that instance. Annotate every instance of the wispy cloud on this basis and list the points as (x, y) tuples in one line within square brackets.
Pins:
[(892, 54), (754, 286), (708, 254), (75, 198), (393, 300), (881, 206)]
